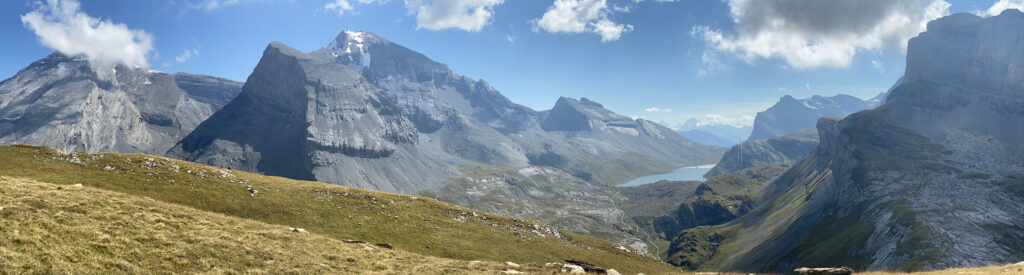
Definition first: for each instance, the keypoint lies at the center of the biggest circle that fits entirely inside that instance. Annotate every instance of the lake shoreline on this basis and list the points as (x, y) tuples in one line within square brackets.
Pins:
[(687, 173)]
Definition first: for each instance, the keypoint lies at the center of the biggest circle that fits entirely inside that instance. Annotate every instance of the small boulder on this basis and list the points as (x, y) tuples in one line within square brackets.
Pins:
[(385, 245), (824, 271), (510, 271), (613, 272), (573, 269), (514, 265), (298, 230), (587, 267)]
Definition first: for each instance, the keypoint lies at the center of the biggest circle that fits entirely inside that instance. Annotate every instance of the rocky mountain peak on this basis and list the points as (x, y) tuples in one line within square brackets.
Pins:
[(353, 48), (790, 114), (72, 104), (586, 101), (970, 51)]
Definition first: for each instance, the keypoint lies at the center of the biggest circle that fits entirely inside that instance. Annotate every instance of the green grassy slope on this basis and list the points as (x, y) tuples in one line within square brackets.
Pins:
[(410, 223), (51, 229)]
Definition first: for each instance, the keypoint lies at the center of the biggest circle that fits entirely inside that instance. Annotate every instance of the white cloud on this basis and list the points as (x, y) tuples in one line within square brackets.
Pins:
[(60, 25), (187, 55), (212, 5), (510, 38), (209, 5), (656, 109), (467, 15), (343, 6), (1002, 5), (577, 16), (610, 31), (878, 66), (810, 34)]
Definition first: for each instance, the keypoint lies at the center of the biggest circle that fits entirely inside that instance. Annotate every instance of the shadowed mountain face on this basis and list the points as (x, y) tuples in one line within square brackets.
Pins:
[(370, 113), (790, 115), (931, 179), (71, 105), (304, 117)]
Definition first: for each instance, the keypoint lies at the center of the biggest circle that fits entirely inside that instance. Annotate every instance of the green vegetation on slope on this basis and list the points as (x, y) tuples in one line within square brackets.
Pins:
[(48, 228), (410, 223)]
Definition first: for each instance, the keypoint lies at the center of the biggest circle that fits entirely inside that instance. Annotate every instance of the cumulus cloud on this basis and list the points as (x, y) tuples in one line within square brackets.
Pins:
[(467, 15), (1002, 5), (577, 16), (811, 33), (187, 55), (60, 25), (212, 5), (343, 6), (209, 5)]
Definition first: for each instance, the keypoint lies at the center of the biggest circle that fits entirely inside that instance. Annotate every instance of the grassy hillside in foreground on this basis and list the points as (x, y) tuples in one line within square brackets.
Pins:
[(410, 223), (1017, 269), (84, 230)]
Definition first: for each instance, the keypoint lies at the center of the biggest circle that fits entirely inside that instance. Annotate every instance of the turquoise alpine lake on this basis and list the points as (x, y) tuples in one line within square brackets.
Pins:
[(694, 173)]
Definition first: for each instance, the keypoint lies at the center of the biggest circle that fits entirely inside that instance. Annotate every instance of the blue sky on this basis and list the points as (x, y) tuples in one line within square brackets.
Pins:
[(694, 58)]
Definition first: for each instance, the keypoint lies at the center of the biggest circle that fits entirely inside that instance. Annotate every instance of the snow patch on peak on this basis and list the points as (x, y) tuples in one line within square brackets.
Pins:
[(808, 105), (351, 49)]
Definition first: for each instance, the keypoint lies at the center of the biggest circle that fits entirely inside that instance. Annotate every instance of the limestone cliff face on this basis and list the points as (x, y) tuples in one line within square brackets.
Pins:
[(303, 117), (72, 105), (931, 179)]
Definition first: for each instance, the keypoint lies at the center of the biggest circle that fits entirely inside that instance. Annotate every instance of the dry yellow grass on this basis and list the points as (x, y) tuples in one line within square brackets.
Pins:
[(1006, 269), (87, 230)]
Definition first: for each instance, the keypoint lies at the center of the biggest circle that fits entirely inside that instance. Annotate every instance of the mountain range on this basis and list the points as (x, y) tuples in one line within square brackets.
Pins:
[(928, 175), (931, 179), (361, 112), (71, 104), (790, 115), (370, 113), (716, 134)]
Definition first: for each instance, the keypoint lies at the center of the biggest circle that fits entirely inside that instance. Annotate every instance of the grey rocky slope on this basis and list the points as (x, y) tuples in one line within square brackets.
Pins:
[(784, 149), (471, 120), (791, 115), (404, 123), (553, 196), (72, 105), (304, 117), (931, 179)]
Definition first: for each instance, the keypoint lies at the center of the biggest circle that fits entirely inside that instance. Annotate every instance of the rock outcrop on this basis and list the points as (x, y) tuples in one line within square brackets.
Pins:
[(931, 179), (72, 105), (304, 117)]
